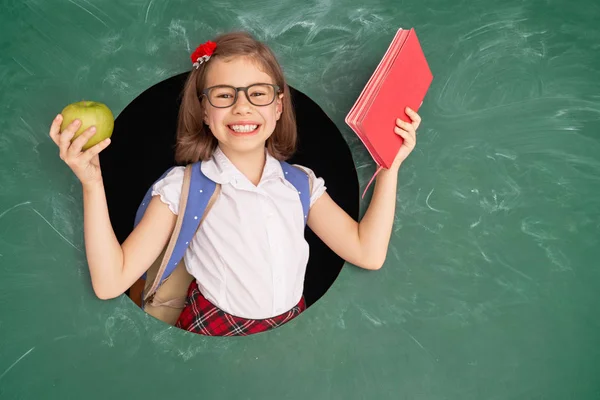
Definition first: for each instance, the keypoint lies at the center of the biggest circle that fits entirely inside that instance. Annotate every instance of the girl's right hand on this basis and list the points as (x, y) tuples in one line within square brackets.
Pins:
[(85, 165)]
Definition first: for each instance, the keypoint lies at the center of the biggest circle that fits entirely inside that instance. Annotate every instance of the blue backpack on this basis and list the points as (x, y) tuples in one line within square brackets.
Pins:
[(166, 282)]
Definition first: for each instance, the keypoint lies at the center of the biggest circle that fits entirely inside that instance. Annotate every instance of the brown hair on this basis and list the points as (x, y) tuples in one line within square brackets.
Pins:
[(195, 141)]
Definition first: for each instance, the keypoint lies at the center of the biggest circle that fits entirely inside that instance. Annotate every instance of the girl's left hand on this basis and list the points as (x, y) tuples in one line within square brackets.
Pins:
[(408, 132)]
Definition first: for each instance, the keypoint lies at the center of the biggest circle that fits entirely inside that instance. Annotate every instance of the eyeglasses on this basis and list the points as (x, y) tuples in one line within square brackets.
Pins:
[(258, 94)]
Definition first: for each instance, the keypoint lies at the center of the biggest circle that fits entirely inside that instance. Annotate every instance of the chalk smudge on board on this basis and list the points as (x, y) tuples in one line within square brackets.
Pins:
[(121, 325), (474, 224), (375, 320), (530, 227), (177, 32), (113, 78)]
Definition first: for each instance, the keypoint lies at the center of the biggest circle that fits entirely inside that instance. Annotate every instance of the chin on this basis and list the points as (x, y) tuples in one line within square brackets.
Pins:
[(244, 144)]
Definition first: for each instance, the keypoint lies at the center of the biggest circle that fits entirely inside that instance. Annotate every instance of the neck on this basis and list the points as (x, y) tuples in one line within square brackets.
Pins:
[(251, 164)]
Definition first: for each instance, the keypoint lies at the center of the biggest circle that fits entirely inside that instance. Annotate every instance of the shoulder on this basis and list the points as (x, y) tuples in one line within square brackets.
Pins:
[(171, 176), (309, 172), (168, 187), (317, 184)]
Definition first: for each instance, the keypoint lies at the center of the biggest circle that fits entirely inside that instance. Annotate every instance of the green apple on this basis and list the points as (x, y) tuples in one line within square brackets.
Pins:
[(90, 113)]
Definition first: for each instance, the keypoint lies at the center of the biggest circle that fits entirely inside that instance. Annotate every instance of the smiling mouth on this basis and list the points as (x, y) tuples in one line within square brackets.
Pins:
[(246, 129)]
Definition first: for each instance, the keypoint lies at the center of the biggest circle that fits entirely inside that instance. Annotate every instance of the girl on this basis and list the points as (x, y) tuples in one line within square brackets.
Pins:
[(249, 256)]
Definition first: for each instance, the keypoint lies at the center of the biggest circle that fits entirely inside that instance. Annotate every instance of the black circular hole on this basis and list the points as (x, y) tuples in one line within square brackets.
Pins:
[(142, 149)]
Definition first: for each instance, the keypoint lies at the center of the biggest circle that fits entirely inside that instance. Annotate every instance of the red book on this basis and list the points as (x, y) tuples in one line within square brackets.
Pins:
[(401, 80)]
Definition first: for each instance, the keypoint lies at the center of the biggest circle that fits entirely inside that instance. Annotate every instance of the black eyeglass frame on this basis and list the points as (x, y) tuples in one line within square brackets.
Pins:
[(244, 89)]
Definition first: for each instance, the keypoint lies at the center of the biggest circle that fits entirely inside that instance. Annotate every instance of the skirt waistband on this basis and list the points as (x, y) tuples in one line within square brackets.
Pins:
[(202, 317)]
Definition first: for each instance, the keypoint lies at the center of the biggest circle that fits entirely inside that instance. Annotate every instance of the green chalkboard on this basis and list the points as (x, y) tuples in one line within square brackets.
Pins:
[(490, 288)]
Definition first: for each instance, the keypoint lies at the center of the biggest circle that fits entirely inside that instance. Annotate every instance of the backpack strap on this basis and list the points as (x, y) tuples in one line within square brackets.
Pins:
[(157, 275), (299, 178), (169, 299), (196, 193)]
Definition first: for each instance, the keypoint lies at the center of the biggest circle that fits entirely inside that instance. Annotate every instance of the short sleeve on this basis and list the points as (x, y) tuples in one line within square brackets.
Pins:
[(318, 184), (169, 188)]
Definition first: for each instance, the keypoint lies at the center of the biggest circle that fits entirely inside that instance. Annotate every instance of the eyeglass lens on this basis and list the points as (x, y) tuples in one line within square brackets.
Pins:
[(259, 95)]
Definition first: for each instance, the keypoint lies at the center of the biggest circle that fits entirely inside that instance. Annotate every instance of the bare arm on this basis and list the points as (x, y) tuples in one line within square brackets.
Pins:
[(365, 244), (114, 268)]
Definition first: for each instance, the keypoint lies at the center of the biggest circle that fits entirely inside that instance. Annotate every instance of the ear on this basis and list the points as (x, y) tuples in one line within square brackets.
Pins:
[(203, 104), (279, 105)]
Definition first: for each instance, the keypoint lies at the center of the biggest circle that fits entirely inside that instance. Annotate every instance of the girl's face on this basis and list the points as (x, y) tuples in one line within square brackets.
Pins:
[(242, 127)]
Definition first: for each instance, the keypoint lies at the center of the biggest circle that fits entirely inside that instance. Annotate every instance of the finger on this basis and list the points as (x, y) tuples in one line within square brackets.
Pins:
[(66, 136), (404, 125), (95, 150), (77, 145), (410, 138), (416, 118), (55, 129)]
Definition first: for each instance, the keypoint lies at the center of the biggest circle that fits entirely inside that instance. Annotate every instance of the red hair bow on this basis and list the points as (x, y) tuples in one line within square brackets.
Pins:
[(203, 53)]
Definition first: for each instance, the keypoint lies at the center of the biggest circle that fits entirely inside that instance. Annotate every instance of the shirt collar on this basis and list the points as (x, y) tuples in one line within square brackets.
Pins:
[(221, 170)]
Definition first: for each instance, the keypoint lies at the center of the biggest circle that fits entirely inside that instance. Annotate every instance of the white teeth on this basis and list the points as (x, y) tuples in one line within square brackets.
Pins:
[(243, 128)]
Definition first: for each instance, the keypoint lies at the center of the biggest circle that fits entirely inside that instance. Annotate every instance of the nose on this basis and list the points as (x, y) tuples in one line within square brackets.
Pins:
[(242, 104)]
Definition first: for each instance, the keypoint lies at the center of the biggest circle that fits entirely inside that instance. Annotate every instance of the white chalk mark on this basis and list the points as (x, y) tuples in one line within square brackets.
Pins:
[(91, 5), (22, 66), (89, 12), (459, 194), (510, 157), (13, 207), (427, 202), (555, 257), (515, 270), (414, 339), (55, 230), (16, 362), (373, 320), (177, 29), (376, 321), (26, 124), (444, 88), (438, 226), (485, 256), (474, 224), (528, 227), (395, 252), (484, 28), (148, 10)]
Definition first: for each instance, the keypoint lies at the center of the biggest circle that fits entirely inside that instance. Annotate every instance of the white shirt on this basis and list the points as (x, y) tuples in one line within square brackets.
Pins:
[(249, 256)]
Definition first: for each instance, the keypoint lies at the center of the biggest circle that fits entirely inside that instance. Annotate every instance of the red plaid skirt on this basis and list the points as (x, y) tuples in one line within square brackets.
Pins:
[(203, 317)]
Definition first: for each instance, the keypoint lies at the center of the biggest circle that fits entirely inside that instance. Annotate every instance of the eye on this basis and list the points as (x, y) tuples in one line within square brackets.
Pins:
[(222, 93)]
